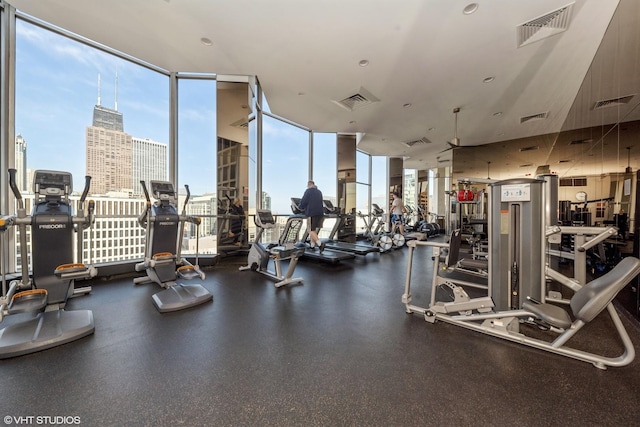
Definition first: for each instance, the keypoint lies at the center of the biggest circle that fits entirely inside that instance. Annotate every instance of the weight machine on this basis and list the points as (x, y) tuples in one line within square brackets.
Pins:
[(518, 275)]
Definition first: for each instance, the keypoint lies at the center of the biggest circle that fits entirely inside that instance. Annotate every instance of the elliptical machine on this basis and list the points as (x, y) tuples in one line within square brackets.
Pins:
[(259, 255), (163, 247), (45, 294)]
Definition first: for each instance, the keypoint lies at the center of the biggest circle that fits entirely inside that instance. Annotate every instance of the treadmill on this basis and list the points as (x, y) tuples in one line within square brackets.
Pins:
[(331, 256), (331, 211)]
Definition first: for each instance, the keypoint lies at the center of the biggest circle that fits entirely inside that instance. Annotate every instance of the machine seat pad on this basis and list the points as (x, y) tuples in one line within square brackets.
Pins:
[(480, 264), (549, 313), (282, 252), (69, 268), (160, 256), (31, 301), (188, 272)]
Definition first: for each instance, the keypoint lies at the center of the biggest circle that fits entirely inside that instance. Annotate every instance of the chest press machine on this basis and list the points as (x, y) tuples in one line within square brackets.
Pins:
[(41, 299), (163, 262)]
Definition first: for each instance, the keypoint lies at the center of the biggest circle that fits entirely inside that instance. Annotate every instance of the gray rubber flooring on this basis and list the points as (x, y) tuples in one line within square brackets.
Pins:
[(338, 350)]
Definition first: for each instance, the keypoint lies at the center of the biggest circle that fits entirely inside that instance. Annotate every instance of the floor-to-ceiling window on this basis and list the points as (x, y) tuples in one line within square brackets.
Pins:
[(325, 172), (197, 159), (285, 164), (363, 188), (84, 111), (285, 167), (89, 110)]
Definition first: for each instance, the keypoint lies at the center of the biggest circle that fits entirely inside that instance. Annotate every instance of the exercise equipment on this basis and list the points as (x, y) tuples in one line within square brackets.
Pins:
[(327, 255), (516, 305), (164, 226), (285, 249), (374, 228), (44, 295), (334, 212)]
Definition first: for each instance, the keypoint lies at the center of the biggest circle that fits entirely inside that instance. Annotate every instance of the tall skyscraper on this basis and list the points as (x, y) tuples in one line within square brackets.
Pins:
[(21, 163), (149, 162), (107, 118), (109, 152)]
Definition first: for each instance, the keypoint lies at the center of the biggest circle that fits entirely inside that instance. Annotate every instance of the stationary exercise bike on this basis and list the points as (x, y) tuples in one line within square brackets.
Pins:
[(377, 236), (41, 299), (259, 255), (163, 250)]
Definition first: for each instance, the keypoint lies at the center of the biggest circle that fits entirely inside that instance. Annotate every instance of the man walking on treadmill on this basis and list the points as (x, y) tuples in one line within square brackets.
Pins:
[(312, 206)]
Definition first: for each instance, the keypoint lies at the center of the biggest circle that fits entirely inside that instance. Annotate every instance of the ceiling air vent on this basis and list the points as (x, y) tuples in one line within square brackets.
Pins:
[(242, 123), (612, 102), (526, 165), (530, 148), (581, 141), (544, 26), (565, 161), (359, 99), (533, 117), (417, 142)]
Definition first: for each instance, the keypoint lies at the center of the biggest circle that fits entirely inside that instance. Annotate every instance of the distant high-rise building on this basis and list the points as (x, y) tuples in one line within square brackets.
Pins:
[(149, 162), (109, 155), (266, 200), (107, 118), (21, 163)]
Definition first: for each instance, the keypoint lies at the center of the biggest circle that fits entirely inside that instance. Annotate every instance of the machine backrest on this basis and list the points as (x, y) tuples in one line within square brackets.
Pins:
[(593, 297), (454, 247), (291, 231)]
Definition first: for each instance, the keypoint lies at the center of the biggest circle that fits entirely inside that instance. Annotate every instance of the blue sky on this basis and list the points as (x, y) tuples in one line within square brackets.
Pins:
[(57, 89)]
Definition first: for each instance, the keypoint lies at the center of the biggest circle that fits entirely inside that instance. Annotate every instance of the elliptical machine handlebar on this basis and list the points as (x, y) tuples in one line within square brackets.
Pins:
[(14, 188), (142, 219), (87, 185), (186, 200), (146, 192)]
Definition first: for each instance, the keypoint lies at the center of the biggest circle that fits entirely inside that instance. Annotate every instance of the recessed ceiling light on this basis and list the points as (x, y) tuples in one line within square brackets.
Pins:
[(497, 113), (488, 79), (470, 8), (407, 105), (205, 41), (363, 63)]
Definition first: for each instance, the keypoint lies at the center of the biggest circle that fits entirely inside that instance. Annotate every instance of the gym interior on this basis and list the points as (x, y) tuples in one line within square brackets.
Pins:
[(171, 277)]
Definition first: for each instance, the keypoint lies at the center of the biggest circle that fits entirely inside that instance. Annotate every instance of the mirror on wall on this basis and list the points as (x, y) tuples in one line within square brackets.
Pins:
[(595, 154), (233, 170), (395, 180), (598, 145), (347, 179)]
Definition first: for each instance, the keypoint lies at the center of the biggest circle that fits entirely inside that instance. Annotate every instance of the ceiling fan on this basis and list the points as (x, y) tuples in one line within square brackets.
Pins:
[(455, 142)]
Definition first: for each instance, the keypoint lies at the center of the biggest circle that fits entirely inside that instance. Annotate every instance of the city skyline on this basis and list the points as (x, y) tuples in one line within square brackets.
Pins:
[(57, 87)]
